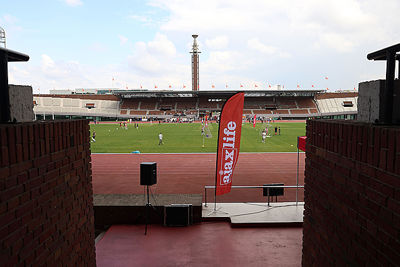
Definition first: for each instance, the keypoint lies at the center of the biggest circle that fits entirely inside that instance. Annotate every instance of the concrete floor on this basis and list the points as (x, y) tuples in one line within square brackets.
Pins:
[(204, 244)]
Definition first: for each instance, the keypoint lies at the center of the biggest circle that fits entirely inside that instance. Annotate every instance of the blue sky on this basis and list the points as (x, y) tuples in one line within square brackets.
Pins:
[(85, 44)]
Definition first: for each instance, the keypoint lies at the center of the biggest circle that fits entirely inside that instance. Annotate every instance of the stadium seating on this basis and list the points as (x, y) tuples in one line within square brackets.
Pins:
[(256, 111), (205, 104), (305, 103), (287, 103), (130, 103), (337, 103), (186, 103), (281, 111), (95, 105), (147, 104), (165, 107), (299, 111)]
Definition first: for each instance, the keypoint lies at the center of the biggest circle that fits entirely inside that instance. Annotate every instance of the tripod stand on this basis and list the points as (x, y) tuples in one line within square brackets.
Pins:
[(148, 205)]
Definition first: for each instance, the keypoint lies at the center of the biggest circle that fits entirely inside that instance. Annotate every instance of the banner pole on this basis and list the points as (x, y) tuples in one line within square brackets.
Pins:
[(297, 174), (216, 160)]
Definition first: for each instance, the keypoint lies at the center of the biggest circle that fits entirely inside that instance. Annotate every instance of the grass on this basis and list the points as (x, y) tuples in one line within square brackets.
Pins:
[(187, 138)]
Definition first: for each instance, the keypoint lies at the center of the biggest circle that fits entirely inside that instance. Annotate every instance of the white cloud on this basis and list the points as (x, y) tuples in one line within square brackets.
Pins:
[(257, 45), (217, 43), (122, 39), (269, 50), (74, 2), (153, 57), (162, 46), (157, 62), (337, 42)]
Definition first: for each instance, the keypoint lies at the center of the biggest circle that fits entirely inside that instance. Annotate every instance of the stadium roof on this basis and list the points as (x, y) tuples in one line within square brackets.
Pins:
[(224, 93)]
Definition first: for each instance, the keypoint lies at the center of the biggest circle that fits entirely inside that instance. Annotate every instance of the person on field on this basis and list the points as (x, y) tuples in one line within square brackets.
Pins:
[(94, 136), (276, 130), (279, 130), (263, 135), (160, 137)]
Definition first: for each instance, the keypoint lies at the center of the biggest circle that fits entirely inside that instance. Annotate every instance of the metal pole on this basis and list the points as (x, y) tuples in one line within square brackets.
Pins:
[(147, 210), (205, 196), (389, 84), (297, 174)]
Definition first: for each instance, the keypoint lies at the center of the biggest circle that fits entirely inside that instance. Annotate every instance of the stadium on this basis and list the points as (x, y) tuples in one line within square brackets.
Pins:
[(90, 168)]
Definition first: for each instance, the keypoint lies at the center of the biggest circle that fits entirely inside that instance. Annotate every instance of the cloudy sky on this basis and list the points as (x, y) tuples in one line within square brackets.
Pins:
[(132, 43)]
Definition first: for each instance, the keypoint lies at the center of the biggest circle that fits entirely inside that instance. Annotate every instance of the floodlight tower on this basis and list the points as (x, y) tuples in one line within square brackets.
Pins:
[(195, 64), (2, 37)]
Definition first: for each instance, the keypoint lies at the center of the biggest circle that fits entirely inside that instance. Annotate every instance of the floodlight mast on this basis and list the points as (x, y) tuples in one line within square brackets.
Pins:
[(195, 64), (2, 37)]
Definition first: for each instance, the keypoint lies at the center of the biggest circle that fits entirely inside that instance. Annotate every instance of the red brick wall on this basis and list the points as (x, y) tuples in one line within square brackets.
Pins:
[(352, 195), (46, 212)]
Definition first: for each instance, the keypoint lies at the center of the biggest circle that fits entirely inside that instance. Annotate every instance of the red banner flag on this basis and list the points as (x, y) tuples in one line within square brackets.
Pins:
[(230, 129), (301, 143)]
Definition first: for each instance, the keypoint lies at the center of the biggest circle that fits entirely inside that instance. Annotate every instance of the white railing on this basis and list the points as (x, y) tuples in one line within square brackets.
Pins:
[(256, 186)]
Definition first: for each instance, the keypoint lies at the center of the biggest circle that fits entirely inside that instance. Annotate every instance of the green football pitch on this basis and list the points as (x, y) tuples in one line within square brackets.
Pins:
[(187, 138)]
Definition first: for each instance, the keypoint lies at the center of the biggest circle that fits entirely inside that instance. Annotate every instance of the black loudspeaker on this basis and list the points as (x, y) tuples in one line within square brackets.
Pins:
[(148, 173), (273, 191), (178, 215)]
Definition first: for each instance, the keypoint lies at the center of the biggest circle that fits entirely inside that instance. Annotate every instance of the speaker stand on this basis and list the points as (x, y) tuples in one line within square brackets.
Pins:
[(148, 205)]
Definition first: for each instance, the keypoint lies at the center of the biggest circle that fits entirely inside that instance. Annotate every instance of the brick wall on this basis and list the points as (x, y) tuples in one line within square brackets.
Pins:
[(352, 195), (46, 212)]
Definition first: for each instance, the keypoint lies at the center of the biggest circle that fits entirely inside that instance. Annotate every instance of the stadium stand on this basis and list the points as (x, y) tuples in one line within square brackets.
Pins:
[(130, 104), (205, 104), (167, 104), (186, 103), (147, 104), (337, 103), (281, 111), (73, 105), (287, 103)]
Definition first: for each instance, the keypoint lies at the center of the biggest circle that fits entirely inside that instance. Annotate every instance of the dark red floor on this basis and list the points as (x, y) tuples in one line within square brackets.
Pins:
[(189, 173), (206, 244)]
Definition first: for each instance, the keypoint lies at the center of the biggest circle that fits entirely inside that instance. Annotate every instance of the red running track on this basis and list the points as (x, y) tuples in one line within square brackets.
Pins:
[(189, 173)]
